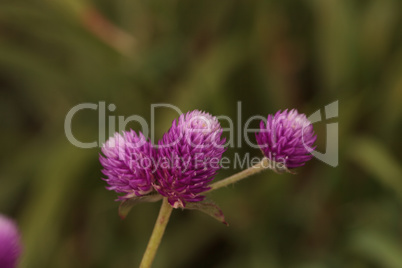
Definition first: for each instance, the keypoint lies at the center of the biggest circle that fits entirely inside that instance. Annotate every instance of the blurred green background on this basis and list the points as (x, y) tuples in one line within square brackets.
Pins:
[(205, 55)]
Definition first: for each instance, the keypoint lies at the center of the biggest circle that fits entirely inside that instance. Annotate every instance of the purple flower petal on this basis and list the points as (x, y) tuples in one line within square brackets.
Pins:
[(128, 162), (191, 148), (287, 138), (10, 245)]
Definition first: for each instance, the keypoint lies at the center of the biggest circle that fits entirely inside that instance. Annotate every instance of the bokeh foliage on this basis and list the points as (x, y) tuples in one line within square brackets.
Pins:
[(205, 55)]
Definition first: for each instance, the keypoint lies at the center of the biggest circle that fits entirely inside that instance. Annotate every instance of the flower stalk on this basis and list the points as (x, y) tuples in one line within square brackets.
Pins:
[(264, 164), (157, 234)]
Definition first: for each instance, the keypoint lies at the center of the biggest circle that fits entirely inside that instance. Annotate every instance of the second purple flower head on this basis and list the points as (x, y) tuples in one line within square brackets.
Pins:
[(189, 157)]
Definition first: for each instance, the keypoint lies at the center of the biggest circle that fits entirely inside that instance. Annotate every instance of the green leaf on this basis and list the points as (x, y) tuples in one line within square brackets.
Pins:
[(127, 205), (208, 208)]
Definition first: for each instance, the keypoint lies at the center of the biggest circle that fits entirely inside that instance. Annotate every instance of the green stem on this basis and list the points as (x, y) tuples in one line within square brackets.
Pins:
[(264, 164), (157, 233), (166, 208)]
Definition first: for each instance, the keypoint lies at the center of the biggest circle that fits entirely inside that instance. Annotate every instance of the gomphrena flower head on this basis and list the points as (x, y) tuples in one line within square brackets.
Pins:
[(10, 243), (189, 155), (128, 164), (287, 138)]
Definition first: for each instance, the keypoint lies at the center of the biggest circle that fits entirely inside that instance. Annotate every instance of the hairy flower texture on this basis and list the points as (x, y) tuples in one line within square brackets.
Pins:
[(10, 245), (128, 163), (189, 155), (287, 138)]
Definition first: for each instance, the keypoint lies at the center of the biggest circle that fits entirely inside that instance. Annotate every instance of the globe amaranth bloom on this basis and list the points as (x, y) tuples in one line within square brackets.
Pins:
[(10, 244), (287, 138), (128, 163), (189, 157)]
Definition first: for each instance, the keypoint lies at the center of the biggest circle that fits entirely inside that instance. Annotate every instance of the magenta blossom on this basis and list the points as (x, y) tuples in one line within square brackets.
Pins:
[(128, 164), (10, 243), (189, 157), (287, 138)]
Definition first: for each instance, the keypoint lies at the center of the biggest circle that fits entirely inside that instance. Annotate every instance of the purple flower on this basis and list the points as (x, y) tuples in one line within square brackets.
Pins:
[(128, 164), (10, 245), (189, 157), (287, 138)]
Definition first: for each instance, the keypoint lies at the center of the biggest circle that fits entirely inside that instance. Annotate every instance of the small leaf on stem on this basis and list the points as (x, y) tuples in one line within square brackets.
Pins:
[(128, 204), (208, 208)]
